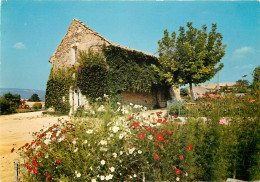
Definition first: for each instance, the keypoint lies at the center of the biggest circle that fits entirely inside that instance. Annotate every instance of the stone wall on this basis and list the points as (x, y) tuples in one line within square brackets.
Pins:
[(145, 99), (78, 36)]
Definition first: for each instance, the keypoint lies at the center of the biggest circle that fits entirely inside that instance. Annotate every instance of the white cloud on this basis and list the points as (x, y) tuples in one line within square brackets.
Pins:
[(248, 66), (19, 45), (242, 52)]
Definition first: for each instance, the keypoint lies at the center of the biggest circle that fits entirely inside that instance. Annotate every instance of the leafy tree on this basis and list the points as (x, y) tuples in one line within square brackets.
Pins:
[(34, 98), (240, 84), (13, 98), (184, 92), (256, 78), (192, 57)]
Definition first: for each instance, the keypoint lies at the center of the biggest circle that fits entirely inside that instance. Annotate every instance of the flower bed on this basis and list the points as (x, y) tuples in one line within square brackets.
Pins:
[(131, 147)]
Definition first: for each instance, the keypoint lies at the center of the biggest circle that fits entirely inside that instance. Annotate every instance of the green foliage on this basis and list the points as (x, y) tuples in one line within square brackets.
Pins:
[(34, 98), (57, 91), (192, 57), (93, 75), (256, 78), (184, 92), (131, 70), (9, 103), (37, 106)]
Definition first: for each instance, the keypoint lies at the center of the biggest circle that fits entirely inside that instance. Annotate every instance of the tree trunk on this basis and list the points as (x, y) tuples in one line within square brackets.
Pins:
[(191, 92)]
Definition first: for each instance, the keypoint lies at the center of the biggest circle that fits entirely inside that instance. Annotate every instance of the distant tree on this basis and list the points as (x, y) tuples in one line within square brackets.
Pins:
[(241, 84), (256, 78), (16, 98), (4, 105), (184, 92), (34, 98), (192, 57)]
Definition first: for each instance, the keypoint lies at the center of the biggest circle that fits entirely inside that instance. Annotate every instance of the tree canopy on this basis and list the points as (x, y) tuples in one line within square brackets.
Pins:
[(192, 57), (34, 98)]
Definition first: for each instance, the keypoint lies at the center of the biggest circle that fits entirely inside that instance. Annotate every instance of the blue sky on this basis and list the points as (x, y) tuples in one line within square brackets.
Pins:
[(32, 30)]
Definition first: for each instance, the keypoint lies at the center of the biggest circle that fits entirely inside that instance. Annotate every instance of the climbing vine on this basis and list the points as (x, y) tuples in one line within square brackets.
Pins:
[(57, 91), (109, 72)]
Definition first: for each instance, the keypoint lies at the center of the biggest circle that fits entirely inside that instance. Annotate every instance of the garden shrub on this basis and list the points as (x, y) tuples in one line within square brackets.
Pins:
[(37, 106)]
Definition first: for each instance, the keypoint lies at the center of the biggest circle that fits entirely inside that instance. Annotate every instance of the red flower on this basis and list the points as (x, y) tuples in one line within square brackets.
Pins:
[(175, 116), (162, 130), (156, 156), (169, 132), (12, 150), (135, 124), (58, 161), (154, 131), (159, 120), (178, 172), (159, 137), (38, 143), (41, 135), (181, 157), (167, 140), (29, 168), (26, 164), (189, 147), (34, 171), (39, 154), (28, 154), (164, 122), (36, 164), (147, 129), (49, 176), (141, 136), (129, 119), (46, 147)]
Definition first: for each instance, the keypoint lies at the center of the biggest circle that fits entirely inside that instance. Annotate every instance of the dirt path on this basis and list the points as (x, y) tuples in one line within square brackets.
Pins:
[(15, 131)]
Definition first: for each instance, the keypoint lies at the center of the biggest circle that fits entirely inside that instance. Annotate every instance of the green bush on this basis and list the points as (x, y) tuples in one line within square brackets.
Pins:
[(37, 106)]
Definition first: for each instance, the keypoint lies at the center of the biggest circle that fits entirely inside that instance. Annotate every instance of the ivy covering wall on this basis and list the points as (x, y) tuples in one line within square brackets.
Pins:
[(109, 72)]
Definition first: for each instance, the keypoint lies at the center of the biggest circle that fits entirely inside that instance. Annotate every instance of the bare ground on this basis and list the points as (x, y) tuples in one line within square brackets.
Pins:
[(15, 131)]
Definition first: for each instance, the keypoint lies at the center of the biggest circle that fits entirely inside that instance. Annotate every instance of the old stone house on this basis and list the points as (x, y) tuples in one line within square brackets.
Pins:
[(81, 37)]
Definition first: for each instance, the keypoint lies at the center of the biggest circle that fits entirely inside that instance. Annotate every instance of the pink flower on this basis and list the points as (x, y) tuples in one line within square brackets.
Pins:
[(223, 121), (211, 95), (217, 95)]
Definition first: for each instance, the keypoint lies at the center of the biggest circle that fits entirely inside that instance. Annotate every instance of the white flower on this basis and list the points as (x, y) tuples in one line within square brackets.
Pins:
[(177, 179), (121, 136), (114, 155), (75, 150), (150, 137), (139, 151), (134, 175), (121, 152), (74, 142), (131, 150), (111, 176), (107, 177), (78, 175), (103, 142), (105, 95), (115, 129), (85, 141), (130, 177), (93, 180), (98, 98), (58, 133), (46, 156), (118, 103), (47, 141), (186, 174), (91, 168), (103, 162), (48, 134), (102, 178), (101, 108), (131, 104), (112, 169), (89, 131), (93, 112)]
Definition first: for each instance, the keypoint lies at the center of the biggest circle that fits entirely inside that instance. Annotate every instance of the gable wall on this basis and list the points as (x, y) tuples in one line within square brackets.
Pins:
[(77, 35)]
